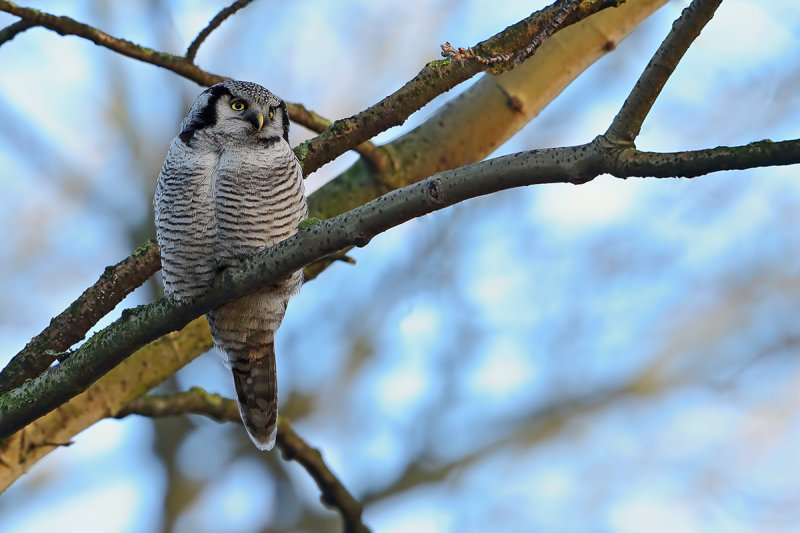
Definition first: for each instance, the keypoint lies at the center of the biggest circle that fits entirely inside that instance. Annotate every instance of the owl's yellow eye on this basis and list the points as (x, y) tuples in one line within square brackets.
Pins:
[(237, 105), (271, 112)]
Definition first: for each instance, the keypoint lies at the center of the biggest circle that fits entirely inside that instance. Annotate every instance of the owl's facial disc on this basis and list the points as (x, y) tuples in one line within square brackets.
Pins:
[(248, 112)]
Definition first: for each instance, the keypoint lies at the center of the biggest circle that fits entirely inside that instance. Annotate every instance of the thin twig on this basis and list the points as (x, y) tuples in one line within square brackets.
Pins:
[(71, 325), (12, 30), (513, 58), (191, 52), (198, 401), (334, 493), (628, 122)]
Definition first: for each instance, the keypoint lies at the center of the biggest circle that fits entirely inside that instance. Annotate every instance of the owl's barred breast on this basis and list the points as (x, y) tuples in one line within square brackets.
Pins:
[(259, 200)]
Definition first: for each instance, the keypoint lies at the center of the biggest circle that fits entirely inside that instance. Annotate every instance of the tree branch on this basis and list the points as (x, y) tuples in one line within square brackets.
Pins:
[(220, 17), (471, 126), (434, 79), (294, 448), (376, 155), (628, 122), (12, 30), (67, 26), (71, 325), (334, 493), (140, 372), (510, 58), (577, 164)]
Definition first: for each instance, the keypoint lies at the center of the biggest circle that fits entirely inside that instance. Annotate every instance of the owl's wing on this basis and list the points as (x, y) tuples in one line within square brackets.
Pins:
[(184, 217)]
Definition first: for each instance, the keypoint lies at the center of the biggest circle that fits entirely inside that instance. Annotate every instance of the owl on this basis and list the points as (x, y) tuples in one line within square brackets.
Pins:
[(231, 186)]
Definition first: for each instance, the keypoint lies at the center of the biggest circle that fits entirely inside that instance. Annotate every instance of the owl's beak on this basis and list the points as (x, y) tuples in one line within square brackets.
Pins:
[(256, 119)]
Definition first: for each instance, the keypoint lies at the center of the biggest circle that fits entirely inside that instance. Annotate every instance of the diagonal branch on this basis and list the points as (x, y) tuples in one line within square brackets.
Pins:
[(376, 155), (435, 78), (511, 58), (140, 372), (576, 164), (220, 17), (334, 493), (71, 325), (199, 402), (12, 30), (628, 122)]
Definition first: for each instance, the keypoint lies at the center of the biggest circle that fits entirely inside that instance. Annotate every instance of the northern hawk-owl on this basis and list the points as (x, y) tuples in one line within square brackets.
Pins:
[(231, 186)]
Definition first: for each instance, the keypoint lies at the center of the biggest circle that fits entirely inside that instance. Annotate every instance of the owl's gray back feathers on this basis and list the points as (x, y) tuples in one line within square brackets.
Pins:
[(227, 190)]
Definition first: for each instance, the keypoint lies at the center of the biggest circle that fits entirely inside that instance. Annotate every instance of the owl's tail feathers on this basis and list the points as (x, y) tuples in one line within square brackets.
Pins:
[(257, 391)]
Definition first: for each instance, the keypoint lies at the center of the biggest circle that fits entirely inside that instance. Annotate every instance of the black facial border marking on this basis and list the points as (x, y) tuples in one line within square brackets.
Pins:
[(208, 116), (285, 120)]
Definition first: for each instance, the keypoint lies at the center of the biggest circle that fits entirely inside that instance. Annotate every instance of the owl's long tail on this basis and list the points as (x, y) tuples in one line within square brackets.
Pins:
[(257, 392), (243, 331)]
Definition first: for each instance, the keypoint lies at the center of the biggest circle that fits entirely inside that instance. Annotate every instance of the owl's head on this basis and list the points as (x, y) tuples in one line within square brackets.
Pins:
[(239, 109)]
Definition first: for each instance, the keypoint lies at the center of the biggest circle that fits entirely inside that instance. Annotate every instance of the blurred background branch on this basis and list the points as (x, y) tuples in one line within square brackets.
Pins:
[(218, 19), (292, 446)]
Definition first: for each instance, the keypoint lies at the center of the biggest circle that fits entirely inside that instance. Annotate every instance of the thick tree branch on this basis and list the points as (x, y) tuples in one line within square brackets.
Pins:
[(294, 448), (577, 164), (628, 122), (71, 325), (220, 17)]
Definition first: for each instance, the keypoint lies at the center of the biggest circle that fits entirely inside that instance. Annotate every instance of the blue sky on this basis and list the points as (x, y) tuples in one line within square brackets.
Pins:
[(455, 335)]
